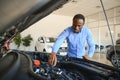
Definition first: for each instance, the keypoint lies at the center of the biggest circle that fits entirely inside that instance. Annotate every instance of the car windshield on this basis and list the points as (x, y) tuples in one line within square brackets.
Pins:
[(50, 39)]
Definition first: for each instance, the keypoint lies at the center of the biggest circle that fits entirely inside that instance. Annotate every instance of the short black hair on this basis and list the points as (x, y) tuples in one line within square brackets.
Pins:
[(79, 16)]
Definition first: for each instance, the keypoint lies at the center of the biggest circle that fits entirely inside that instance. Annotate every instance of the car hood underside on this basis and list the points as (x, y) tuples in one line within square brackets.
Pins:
[(20, 14)]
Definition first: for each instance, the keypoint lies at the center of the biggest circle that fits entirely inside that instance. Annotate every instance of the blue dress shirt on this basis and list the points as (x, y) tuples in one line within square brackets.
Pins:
[(76, 42)]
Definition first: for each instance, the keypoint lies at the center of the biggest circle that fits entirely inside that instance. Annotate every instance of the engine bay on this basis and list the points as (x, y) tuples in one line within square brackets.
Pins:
[(34, 66)]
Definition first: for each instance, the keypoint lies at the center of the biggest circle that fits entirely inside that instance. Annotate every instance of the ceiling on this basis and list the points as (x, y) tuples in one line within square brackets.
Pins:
[(86, 7)]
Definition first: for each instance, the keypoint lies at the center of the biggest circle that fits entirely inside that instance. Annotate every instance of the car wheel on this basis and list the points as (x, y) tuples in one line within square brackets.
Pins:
[(44, 50), (115, 60)]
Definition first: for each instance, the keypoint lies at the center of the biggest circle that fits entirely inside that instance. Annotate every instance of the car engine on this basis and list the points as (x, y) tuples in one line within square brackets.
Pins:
[(32, 65)]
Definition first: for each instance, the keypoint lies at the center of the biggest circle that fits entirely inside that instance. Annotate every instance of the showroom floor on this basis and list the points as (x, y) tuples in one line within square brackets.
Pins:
[(101, 57)]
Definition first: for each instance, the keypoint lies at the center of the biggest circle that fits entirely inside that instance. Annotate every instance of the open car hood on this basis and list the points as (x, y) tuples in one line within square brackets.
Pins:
[(16, 16), (20, 14)]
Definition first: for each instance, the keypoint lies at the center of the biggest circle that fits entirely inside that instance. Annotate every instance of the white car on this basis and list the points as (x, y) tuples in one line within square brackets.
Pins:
[(44, 44)]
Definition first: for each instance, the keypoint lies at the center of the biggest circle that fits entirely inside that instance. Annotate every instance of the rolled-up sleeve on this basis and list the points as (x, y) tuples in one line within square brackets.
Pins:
[(91, 43), (60, 40)]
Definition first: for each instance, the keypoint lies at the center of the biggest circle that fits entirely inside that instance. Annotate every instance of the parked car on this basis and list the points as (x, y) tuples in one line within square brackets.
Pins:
[(114, 57), (99, 47), (45, 44), (32, 65)]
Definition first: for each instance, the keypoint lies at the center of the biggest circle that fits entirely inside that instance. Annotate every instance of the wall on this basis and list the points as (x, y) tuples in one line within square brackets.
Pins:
[(98, 25), (52, 25)]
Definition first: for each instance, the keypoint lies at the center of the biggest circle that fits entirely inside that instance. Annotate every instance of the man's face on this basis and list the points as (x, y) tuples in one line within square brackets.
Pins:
[(77, 25)]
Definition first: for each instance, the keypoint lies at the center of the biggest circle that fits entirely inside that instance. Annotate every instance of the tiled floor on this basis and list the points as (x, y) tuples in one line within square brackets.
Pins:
[(101, 57)]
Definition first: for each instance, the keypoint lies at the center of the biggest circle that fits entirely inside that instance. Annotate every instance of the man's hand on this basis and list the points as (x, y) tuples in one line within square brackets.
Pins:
[(52, 59), (86, 57)]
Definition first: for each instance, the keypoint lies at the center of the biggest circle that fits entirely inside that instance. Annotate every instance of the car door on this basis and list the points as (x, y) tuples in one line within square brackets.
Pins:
[(40, 44)]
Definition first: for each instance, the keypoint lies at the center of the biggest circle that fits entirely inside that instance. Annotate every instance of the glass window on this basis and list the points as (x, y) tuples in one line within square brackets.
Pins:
[(102, 16), (117, 20), (93, 18), (118, 11), (50, 39), (102, 23), (117, 32), (95, 33), (110, 13), (105, 38), (93, 24)]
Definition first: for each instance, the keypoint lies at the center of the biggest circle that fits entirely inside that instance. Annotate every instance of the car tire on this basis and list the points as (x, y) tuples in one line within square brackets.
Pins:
[(44, 50), (115, 60)]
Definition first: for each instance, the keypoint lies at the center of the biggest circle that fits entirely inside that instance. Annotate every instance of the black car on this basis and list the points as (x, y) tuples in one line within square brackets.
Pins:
[(16, 16), (113, 55)]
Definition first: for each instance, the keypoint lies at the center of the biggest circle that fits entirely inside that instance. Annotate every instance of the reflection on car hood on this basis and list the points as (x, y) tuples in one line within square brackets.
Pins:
[(17, 15)]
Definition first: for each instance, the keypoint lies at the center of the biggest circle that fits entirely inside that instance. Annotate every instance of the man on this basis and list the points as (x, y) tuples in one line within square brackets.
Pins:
[(76, 36)]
